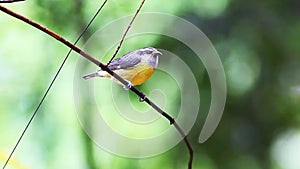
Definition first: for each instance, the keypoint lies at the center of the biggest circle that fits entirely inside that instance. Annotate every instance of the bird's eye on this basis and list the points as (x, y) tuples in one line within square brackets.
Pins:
[(148, 51)]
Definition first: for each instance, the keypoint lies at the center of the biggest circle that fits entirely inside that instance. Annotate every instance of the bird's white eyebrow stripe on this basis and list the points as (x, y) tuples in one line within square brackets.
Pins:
[(142, 52)]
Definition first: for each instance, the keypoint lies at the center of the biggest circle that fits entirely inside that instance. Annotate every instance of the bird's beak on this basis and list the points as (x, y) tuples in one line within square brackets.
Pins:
[(158, 52)]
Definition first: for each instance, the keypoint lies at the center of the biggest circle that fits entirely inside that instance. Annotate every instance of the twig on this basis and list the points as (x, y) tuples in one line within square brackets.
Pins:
[(105, 68), (10, 1), (50, 86), (188, 145), (126, 31)]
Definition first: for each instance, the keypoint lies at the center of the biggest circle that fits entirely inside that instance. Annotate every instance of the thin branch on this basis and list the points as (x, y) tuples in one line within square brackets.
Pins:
[(126, 31), (10, 1), (186, 141), (50, 85), (142, 96)]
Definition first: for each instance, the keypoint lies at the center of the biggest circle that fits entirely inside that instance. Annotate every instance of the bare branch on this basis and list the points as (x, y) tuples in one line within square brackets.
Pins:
[(126, 31), (10, 1), (49, 87), (186, 141)]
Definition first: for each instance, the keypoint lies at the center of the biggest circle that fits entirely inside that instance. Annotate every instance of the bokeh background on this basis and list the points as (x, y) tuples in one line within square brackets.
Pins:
[(258, 43)]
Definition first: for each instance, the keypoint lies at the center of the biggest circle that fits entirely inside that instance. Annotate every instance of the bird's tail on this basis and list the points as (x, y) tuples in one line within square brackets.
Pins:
[(99, 73), (91, 75)]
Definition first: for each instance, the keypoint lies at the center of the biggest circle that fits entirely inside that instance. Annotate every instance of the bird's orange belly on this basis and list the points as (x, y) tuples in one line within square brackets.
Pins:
[(142, 76)]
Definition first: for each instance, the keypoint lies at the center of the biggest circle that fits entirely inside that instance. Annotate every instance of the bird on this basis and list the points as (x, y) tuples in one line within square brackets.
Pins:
[(135, 67)]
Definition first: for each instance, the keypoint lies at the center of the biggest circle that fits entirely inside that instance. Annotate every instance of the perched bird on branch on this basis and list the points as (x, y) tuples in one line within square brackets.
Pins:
[(136, 67)]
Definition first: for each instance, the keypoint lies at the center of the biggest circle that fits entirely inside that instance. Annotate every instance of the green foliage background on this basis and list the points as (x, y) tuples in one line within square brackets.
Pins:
[(258, 42)]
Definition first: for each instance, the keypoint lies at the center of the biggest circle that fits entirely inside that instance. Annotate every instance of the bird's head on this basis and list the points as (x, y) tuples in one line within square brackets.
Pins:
[(149, 51), (150, 54)]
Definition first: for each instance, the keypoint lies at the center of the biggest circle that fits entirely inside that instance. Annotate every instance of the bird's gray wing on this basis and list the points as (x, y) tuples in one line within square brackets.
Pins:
[(126, 61)]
